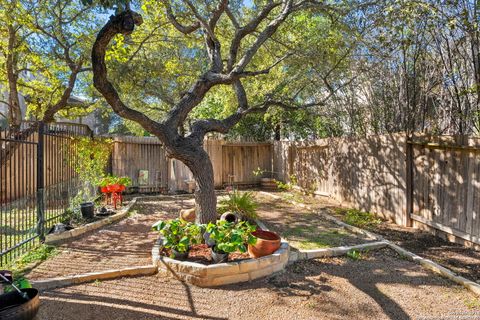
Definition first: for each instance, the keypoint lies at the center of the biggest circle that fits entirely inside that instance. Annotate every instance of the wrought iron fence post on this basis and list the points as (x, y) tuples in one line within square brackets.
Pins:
[(40, 183)]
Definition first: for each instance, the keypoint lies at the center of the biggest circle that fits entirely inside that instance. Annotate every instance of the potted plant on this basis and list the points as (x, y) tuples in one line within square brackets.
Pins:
[(112, 187), (267, 181), (178, 236), (241, 203), (229, 237)]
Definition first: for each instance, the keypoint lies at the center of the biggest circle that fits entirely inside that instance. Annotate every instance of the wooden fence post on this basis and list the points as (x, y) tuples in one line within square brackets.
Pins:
[(409, 185)]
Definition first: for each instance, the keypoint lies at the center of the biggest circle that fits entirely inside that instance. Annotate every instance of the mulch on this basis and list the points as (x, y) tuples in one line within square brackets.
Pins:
[(201, 253)]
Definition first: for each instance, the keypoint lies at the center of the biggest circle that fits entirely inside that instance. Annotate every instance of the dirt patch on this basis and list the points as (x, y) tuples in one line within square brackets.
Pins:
[(378, 286), (303, 228), (201, 253), (127, 243)]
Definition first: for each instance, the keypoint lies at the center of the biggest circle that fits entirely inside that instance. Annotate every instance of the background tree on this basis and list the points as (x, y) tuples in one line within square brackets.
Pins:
[(45, 51)]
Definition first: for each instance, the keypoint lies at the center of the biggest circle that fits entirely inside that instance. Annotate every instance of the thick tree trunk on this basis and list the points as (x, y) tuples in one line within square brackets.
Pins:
[(205, 198)]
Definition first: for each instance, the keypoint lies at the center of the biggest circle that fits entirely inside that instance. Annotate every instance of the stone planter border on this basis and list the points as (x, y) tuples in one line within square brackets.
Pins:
[(222, 273), (57, 238)]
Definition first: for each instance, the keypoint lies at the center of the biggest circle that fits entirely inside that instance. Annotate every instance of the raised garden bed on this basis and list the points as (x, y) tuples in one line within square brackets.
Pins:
[(93, 224), (210, 275)]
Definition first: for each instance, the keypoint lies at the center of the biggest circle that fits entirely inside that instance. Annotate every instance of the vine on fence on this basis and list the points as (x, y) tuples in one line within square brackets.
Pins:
[(92, 159)]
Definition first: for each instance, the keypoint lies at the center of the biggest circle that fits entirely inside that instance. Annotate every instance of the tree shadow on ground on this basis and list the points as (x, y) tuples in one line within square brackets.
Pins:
[(132, 298), (323, 281)]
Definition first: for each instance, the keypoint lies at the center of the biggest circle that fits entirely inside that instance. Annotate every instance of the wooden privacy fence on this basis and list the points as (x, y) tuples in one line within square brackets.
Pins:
[(145, 156), (430, 182)]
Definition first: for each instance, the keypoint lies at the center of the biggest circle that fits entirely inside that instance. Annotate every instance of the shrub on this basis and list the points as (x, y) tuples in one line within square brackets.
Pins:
[(230, 237), (241, 202), (178, 234)]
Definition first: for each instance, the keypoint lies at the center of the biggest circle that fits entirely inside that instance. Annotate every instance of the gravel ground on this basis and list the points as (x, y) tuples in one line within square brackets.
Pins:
[(128, 243), (303, 228), (124, 244), (460, 259), (378, 286)]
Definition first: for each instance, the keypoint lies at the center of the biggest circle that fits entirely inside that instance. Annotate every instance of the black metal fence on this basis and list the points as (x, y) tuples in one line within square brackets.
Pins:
[(37, 182)]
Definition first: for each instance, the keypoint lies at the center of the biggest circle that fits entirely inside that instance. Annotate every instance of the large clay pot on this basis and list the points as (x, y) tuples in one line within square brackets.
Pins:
[(14, 307), (267, 243)]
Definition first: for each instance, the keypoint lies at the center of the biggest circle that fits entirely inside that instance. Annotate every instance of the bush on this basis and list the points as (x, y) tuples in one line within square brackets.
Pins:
[(178, 234), (241, 202), (230, 237)]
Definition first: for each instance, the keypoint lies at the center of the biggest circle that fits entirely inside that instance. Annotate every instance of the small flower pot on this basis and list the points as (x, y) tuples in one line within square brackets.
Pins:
[(208, 241), (230, 217), (87, 209), (267, 243), (179, 255), (219, 257)]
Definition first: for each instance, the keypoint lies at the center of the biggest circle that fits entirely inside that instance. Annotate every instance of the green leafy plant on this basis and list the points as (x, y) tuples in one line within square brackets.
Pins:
[(93, 155), (354, 254), (110, 179), (287, 186), (230, 237), (241, 202), (361, 219), (26, 262), (178, 234)]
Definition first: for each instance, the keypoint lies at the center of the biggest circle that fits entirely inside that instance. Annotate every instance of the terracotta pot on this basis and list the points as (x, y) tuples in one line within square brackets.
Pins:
[(267, 243)]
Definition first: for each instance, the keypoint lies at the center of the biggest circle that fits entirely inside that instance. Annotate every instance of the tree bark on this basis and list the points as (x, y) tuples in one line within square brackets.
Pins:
[(15, 112), (205, 198)]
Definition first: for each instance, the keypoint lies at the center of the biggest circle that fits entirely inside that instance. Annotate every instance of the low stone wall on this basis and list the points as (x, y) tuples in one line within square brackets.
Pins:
[(57, 238), (222, 273)]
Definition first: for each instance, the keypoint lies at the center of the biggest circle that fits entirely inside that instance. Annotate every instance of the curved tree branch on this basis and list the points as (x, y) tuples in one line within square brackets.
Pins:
[(242, 32), (123, 23), (173, 20), (264, 36)]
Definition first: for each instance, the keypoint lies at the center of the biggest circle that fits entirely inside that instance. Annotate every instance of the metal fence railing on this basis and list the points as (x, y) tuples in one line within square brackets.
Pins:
[(37, 181)]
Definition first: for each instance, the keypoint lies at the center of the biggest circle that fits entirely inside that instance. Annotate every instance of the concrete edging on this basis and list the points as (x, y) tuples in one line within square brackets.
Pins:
[(425, 263), (436, 268), (242, 271), (58, 282), (354, 229), (67, 235), (335, 251)]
